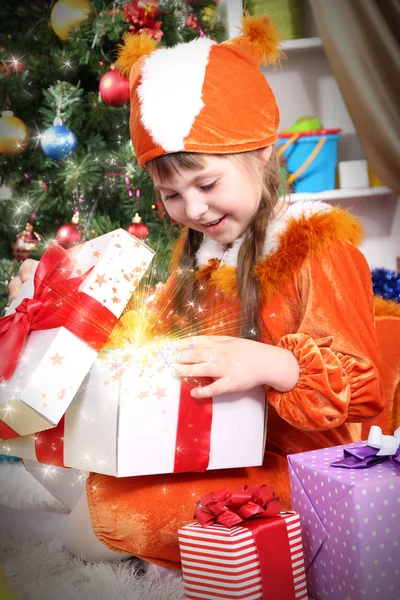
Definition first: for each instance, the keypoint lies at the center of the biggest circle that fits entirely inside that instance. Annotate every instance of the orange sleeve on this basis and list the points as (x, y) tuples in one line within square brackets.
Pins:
[(335, 344)]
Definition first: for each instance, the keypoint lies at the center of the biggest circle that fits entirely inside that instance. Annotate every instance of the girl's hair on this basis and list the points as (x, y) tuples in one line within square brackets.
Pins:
[(251, 250)]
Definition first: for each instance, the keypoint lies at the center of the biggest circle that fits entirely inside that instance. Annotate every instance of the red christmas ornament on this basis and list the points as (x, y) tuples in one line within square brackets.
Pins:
[(114, 88), (160, 209), (192, 21), (70, 234), (138, 229)]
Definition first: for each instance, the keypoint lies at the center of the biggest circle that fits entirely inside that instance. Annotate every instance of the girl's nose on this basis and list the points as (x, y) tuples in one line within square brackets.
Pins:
[(195, 207)]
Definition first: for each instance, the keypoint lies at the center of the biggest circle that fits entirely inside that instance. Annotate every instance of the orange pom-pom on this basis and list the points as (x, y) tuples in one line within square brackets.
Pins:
[(263, 36), (132, 49)]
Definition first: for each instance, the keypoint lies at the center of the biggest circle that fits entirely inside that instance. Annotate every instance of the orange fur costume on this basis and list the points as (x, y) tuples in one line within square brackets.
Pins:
[(317, 301)]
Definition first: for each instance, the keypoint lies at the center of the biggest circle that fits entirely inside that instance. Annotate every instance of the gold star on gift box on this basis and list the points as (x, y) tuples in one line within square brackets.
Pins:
[(100, 279), (57, 359)]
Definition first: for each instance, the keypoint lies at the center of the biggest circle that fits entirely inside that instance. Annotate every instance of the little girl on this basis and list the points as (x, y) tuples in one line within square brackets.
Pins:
[(285, 282)]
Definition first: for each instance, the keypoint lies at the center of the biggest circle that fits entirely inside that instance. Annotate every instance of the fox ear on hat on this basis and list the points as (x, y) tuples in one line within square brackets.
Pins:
[(258, 41), (133, 48)]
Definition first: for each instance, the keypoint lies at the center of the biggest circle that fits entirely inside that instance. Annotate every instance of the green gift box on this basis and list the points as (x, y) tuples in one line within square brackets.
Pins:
[(288, 15)]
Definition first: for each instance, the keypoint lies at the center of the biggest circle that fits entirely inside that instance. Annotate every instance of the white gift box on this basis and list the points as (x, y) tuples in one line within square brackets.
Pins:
[(124, 421), (54, 362), (67, 486)]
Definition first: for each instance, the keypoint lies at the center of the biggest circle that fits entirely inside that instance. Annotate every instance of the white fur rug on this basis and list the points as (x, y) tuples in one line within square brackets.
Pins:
[(46, 571)]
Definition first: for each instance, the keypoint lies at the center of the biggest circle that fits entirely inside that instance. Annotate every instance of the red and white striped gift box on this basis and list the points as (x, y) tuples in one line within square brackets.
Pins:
[(223, 563)]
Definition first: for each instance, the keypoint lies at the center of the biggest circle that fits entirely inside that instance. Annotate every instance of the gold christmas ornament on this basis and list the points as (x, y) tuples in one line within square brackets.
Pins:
[(67, 14), (14, 134)]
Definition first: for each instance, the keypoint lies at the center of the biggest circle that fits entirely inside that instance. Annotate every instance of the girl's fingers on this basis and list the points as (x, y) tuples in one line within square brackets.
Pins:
[(26, 268), (185, 344), (218, 387), (203, 369), (201, 341), (197, 355), (14, 286)]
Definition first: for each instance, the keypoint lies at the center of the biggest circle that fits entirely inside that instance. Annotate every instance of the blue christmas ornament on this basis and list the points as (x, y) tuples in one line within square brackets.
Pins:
[(58, 141)]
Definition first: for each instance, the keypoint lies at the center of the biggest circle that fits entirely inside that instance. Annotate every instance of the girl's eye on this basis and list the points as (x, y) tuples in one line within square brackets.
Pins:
[(171, 196), (208, 187)]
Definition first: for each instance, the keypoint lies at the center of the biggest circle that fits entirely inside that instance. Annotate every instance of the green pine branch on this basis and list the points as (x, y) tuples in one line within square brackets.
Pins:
[(8, 270)]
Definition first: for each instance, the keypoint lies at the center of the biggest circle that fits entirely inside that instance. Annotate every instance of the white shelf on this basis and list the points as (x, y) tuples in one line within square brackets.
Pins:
[(301, 44), (344, 195)]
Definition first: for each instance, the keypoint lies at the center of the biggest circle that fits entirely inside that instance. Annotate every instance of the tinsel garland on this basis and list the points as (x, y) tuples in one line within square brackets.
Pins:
[(386, 283)]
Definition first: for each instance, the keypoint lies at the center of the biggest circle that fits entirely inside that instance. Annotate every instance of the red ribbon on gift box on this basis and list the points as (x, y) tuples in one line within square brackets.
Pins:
[(49, 445), (57, 302), (256, 508), (193, 435)]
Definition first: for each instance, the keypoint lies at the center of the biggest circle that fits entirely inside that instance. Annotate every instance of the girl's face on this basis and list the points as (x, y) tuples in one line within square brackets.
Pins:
[(219, 199)]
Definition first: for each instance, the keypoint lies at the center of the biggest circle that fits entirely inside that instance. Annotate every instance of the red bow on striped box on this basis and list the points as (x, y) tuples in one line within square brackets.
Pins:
[(243, 547)]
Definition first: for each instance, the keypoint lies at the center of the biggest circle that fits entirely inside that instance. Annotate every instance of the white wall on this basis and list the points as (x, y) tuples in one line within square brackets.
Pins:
[(304, 84)]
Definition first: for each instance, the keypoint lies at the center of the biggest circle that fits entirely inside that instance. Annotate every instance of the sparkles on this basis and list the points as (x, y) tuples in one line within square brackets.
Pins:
[(49, 471), (67, 65), (8, 410), (15, 62)]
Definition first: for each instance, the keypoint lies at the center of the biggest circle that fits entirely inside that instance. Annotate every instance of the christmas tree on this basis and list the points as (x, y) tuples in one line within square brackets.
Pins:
[(67, 168)]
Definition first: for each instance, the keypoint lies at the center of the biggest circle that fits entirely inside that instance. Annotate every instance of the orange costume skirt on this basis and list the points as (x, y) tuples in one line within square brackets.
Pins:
[(141, 515)]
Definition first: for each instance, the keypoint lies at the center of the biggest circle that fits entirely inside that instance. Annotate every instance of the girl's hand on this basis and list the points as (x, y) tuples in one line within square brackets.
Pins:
[(15, 284), (235, 364)]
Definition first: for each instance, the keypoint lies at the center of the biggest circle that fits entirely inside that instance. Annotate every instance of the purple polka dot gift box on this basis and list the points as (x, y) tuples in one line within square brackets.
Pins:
[(350, 519)]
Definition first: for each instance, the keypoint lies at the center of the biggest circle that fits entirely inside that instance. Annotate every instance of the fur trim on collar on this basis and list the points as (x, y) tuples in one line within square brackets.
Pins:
[(300, 232), (386, 308), (305, 237), (210, 249)]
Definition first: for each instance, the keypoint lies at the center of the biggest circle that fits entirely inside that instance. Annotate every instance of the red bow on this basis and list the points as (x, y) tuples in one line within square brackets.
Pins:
[(56, 303), (245, 503)]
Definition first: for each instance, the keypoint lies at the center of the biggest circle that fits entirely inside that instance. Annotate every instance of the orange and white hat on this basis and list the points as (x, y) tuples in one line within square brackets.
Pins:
[(201, 96)]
